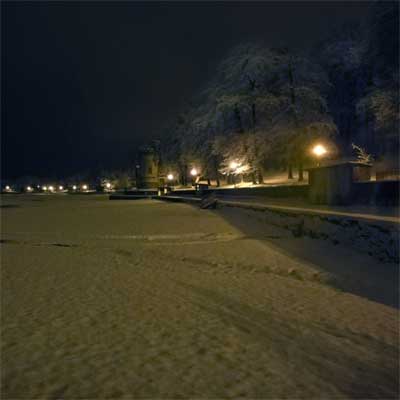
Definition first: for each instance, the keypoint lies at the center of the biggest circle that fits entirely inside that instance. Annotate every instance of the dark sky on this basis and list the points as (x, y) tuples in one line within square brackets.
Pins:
[(85, 83)]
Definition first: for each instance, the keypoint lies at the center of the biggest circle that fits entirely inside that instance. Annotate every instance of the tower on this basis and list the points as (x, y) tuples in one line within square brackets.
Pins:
[(147, 168)]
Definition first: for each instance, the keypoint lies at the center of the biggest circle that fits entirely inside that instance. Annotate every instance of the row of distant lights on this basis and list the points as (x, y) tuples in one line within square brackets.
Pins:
[(52, 188)]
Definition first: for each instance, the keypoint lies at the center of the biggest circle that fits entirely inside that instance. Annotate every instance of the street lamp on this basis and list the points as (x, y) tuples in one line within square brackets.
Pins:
[(74, 187), (29, 189), (233, 165), (319, 151), (60, 187), (84, 187), (8, 188), (193, 172), (108, 185), (170, 177), (51, 188), (44, 188)]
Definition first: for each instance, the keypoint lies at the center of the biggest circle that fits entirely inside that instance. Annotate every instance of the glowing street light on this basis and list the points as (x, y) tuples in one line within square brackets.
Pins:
[(61, 187), (7, 188), (84, 187), (108, 185), (29, 189), (170, 177), (319, 150), (74, 187), (44, 188), (193, 172), (51, 188), (233, 165)]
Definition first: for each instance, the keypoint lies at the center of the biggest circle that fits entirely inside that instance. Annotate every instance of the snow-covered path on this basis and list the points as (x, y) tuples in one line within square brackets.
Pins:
[(105, 299)]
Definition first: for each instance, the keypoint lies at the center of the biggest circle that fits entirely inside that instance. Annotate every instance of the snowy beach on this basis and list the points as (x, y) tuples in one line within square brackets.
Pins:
[(144, 299)]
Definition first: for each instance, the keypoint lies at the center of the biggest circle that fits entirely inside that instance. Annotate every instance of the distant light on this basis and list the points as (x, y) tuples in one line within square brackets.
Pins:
[(8, 187), (60, 187), (84, 187), (38, 186), (44, 188), (170, 177), (319, 150), (193, 172), (74, 187), (51, 188), (29, 189), (233, 165), (108, 185)]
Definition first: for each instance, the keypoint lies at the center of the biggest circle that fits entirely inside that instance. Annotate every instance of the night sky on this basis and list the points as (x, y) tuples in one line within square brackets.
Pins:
[(83, 84)]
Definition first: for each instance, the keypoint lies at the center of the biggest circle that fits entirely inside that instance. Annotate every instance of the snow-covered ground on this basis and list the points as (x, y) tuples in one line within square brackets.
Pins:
[(145, 299)]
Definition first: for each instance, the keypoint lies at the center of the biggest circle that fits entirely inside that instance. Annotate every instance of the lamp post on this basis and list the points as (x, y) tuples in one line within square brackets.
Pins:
[(194, 173), (170, 178), (319, 151), (233, 165)]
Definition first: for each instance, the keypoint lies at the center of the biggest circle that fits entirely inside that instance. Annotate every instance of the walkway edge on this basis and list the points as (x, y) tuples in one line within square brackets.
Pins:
[(288, 209)]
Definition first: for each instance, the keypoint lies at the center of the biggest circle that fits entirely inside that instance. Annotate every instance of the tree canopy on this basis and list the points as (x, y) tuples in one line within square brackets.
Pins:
[(265, 106)]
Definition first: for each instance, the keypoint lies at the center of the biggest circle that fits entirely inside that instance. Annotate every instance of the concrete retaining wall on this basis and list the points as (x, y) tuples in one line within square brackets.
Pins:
[(283, 191), (369, 192), (384, 193), (377, 238)]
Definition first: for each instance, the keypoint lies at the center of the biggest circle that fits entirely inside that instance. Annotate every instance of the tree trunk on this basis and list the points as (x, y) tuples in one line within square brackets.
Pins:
[(291, 83), (185, 170), (208, 182), (238, 118), (253, 113), (260, 176), (290, 171), (301, 177), (293, 104), (215, 163), (253, 178)]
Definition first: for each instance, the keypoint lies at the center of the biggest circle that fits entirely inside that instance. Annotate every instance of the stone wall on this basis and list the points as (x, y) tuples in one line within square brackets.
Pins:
[(378, 239)]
